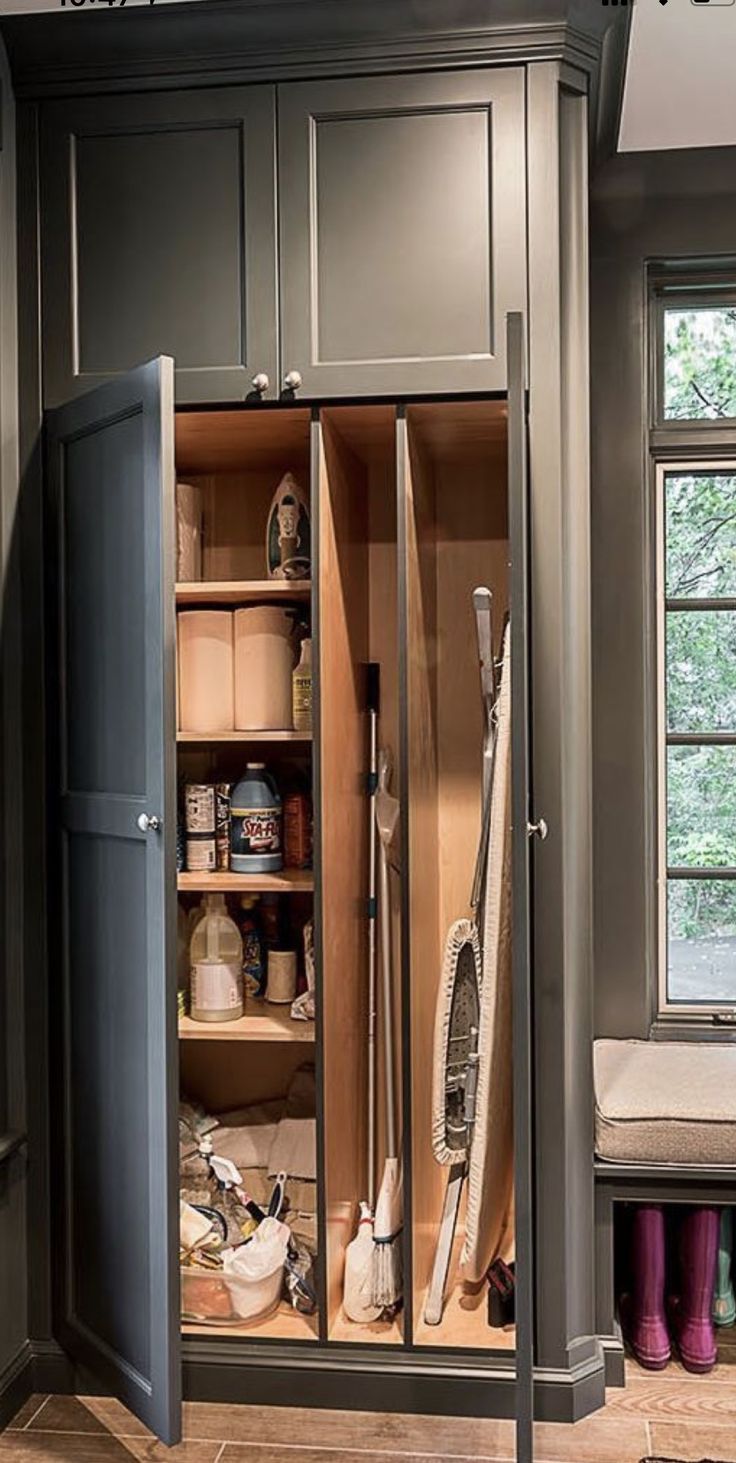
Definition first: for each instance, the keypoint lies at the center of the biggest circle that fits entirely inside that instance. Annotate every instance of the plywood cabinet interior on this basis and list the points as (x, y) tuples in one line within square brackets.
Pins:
[(409, 514)]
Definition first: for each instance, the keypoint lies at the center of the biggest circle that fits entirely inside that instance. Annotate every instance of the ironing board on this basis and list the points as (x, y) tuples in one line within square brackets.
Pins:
[(491, 1165)]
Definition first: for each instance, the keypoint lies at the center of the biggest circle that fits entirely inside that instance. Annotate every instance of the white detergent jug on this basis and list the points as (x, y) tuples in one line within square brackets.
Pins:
[(216, 965)]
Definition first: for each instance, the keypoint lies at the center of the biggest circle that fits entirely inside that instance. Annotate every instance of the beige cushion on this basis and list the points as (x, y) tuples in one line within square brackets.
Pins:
[(665, 1102)]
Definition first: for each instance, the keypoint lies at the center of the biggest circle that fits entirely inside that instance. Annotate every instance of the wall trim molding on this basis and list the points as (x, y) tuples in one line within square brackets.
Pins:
[(16, 1383), (242, 41)]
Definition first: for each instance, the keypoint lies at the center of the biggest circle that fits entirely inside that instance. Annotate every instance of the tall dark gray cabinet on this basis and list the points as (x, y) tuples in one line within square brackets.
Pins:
[(324, 216)]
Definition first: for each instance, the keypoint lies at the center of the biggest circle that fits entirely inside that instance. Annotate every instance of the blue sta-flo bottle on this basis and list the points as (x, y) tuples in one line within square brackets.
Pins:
[(256, 823)]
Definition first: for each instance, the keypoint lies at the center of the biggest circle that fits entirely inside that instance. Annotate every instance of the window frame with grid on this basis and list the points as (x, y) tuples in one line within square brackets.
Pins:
[(691, 448)]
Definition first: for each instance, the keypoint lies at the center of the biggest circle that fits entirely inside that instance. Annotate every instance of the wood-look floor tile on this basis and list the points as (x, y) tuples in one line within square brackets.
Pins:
[(693, 1441), (151, 1451), (28, 1411), (597, 1439), (61, 1447), (254, 1453), (689, 1399), (68, 1415), (112, 1417), (378, 1432), (39, 1447)]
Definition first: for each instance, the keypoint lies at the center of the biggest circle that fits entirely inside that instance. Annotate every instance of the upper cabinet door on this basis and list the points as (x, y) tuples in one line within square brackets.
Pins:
[(403, 233), (159, 236), (113, 889)]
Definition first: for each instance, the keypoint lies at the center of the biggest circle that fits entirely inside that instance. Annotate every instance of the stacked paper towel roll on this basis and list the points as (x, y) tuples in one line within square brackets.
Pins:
[(264, 662), (206, 692)]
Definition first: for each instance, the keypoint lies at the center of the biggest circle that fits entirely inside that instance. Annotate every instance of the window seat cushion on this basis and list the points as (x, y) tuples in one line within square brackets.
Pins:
[(665, 1102)]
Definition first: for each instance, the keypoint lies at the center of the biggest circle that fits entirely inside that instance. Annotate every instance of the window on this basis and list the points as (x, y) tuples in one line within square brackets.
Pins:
[(699, 654), (699, 361), (694, 450)]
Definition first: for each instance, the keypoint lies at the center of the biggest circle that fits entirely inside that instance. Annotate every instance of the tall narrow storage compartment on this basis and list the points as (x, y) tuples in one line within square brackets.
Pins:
[(247, 1082), (408, 513), (453, 459)]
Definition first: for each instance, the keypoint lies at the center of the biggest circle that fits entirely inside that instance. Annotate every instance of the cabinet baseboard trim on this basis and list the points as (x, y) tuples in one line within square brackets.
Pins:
[(352, 1378), (568, 1395), (16, 1384), (53, 1371), (613, 1356)]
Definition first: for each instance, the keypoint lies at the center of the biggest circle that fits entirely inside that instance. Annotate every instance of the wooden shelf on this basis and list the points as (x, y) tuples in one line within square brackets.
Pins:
[(243, 591), (289, 881), (261, 1022), (244, 736), (284, 1325)]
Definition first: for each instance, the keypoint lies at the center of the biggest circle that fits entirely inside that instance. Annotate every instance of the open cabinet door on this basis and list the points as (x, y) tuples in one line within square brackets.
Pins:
[(110, 472), (521, 883)]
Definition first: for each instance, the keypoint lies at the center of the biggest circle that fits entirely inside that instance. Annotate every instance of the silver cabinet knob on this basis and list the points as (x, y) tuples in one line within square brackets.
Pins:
[(293, 380), (538, 830), (261, 383), (149, 823)]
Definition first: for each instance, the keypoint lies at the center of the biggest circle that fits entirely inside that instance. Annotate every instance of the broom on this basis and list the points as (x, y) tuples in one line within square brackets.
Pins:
[(357, 1283), (386, 1290)]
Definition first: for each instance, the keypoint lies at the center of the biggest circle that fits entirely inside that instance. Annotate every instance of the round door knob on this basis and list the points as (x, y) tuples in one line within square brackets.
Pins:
[(261, 383), (149, 823), (538, 830), (293, 380)]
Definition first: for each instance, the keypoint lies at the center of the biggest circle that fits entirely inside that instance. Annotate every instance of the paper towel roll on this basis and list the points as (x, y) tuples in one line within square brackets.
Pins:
[(206, 670), (264, 662), (188, 533)]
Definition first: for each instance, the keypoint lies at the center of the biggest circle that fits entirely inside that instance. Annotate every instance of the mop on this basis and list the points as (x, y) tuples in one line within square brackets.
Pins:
[(357, 1284), (457, 1021), (389, 1218)]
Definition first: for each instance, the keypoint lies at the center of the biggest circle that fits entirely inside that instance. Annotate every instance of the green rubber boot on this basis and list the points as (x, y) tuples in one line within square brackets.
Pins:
[(724, 1301)]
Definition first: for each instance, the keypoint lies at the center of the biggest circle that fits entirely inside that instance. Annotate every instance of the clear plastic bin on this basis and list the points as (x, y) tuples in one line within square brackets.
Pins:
[(211, 1298)]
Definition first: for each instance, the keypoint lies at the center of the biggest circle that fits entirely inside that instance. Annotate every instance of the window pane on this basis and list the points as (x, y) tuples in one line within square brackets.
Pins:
[(700, 363), (701, 670), (701, 941), (701, 807), (700, 535)]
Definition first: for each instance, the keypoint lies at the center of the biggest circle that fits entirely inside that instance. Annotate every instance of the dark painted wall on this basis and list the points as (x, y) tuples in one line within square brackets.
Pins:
[(13, 1297), (644, 207)]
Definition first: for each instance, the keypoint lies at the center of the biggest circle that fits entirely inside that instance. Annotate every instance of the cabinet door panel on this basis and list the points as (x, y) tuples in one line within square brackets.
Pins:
[(402, 230), (158, 220), (518, 488), (111, 555)]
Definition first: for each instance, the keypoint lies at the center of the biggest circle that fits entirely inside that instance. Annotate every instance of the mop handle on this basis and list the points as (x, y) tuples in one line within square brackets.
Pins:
[(373, 692), (388, 1015), (385, 832)]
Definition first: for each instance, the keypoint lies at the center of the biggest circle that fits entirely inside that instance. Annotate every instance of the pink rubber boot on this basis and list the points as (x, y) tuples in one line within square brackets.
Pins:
[(644, 1316), (692, 1313)]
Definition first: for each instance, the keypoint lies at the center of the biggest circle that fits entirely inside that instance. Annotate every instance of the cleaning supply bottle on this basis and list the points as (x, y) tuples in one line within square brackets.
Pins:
[(217, 965), (254, 955), (256, 823), (302, 690), (182, 960)]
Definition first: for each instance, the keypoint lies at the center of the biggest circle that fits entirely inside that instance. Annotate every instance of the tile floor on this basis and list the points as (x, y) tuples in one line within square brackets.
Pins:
[(672, 1415)]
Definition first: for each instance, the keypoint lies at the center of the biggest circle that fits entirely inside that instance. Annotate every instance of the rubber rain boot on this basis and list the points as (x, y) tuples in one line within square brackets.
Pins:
[(724, 1300), (643, 1312), (692, 1312)]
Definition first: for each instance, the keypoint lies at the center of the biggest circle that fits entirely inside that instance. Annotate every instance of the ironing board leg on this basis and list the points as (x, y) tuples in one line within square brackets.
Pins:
[(435, 1302)]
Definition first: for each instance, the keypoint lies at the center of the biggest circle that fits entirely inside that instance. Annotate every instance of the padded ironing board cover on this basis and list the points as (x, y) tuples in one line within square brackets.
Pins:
[(490, 1178), (462, 946)]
